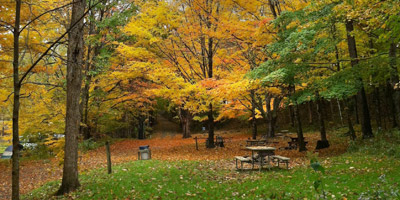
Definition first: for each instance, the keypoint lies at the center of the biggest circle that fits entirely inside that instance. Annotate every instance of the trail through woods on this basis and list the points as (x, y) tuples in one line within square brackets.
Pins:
[(164, 127), (163, 147)]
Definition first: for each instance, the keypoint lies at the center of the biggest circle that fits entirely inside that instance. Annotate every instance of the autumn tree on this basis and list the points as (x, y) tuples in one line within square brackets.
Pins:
[(75, 54)]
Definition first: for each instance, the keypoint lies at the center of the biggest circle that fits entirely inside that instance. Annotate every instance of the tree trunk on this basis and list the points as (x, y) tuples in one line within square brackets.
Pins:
[(210, 143), (362, 97), (75, 53), (378, 107), (267, 115), (395, 82), (340, 111), (321, 118), (272, 8), (323, 143), (356, 110), (310, 113), (253, 115), (210, 139), (348, 110), (186, 119), (332, 112), (302, 145), (15, 119), (141, 131), (273, 116), (390, 104), (291, 115)]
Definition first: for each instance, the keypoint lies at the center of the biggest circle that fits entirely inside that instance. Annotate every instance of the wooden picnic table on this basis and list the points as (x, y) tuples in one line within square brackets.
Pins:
[(219, 141), (250, 142), (262, 151), (295, 142)]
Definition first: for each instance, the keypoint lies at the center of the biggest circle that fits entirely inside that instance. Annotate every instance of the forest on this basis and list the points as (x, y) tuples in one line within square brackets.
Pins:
[(78, 76)]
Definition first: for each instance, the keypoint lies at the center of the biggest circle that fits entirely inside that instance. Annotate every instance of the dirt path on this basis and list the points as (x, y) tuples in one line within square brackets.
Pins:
[(165, 128)]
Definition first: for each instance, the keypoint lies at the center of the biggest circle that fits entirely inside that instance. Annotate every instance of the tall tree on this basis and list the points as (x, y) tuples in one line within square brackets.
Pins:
[(70, 181), (362, 97), (17, 89)]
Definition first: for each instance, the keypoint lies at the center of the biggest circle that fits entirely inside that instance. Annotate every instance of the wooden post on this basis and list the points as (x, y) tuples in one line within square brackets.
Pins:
[(108, 157), (197, 146)]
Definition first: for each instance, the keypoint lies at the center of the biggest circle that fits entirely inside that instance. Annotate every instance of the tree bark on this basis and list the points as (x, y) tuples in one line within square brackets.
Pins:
[(340, 111), (362, 97), (210, 143), (378, 107), (141, 131), (356, 110), (210, 139), (186, 119), (390, 108), (348, 110), (302, 145), (70, 181), (395, 82), (253, 115), (16, 105), (321, 118), (291, 115), (272, 8), (273, 116), (310, 113)]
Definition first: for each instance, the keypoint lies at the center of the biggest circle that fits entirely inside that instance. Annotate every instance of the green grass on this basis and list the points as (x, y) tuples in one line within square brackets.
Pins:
[(346, 176)]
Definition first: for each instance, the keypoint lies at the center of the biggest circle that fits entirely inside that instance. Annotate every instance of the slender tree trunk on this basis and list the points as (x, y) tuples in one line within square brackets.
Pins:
[(332, 112), (340, 111), (378, 107), (390, 104), (395, 82), (310, 113), (253, 115), (323, 143), (15, 120), (272, 8), (210, 143), (84, 106), (302, 145), (267, 114), (70, 181), (291, 116), (362, 97), (210, 139), (321, 118), (141, 131), (356, 110), (348, 110)]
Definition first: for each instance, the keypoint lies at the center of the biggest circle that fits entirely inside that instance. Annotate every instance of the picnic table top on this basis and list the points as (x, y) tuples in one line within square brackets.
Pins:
[(261, 148), (252, 140)]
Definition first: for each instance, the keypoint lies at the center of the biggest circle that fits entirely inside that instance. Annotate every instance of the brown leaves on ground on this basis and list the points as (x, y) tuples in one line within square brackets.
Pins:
[(36, 173)]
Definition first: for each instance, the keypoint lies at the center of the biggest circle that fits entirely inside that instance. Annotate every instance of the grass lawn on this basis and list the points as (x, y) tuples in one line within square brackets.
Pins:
[(349, 176)]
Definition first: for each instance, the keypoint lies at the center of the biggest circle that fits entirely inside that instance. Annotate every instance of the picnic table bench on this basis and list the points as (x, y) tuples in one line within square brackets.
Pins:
[(281, 159), (242, 160)]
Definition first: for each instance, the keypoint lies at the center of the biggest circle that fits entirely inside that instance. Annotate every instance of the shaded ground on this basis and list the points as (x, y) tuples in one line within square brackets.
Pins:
[(36, 173)]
